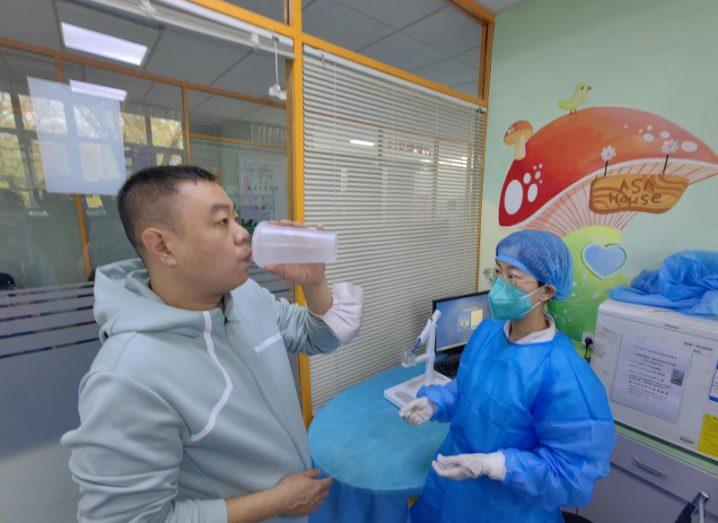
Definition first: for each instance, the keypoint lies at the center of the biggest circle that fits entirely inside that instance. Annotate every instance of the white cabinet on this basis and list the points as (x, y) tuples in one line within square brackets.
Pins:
[(646, 485)]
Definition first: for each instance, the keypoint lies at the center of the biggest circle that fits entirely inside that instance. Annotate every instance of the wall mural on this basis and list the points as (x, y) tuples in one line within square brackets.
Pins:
[(584, 176)]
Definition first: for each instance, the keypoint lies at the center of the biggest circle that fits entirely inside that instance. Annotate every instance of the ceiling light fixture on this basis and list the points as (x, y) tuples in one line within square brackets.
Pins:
[(98, 90), (102, 44)]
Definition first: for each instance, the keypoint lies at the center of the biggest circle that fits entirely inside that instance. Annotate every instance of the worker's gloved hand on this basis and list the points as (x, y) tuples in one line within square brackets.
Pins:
[(417, 411), (466, 466)]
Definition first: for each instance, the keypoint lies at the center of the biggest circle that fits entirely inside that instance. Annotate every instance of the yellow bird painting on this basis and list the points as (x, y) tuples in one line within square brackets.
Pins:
[(577, 98)]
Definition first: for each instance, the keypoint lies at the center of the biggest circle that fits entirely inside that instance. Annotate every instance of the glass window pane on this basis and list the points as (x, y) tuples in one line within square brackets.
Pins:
[(151, 126), (245, 145), (148, 123), (40, 240), (134, 128), (167, 132), (7, 117)]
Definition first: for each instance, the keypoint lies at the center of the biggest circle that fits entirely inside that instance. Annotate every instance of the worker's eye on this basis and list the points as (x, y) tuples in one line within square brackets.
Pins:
[(223, 221), (237, 219)]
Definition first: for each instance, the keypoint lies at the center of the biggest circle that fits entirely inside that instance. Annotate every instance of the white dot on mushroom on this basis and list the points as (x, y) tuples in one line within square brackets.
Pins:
[(689, 146), (649, 127), (532, 192), (527, 178), (514, 196), (648, 137), (665, 135), (538, 174)]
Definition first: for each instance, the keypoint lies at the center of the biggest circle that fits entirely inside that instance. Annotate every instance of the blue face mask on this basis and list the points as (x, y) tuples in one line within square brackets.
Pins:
[(508, 302)]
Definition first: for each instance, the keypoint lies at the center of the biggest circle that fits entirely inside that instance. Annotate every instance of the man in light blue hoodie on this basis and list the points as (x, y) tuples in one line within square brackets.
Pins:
[(189, 411)]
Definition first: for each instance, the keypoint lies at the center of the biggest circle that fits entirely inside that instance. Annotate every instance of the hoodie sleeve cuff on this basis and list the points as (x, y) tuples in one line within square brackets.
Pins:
[(344, 317), (214, 511)]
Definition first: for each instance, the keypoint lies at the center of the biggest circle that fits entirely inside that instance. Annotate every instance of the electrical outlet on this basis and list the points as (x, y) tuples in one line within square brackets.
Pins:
[(587, 334)]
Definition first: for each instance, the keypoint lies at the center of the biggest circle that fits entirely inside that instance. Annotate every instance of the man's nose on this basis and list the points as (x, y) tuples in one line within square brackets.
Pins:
[(240, 235)]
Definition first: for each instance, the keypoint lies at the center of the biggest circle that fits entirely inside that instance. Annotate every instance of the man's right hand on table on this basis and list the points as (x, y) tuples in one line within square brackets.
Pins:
[(295, 495), (417, 411), (301, 494)]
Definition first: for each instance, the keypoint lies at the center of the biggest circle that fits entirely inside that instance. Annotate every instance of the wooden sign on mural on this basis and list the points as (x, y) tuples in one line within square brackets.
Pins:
[(636, 192)]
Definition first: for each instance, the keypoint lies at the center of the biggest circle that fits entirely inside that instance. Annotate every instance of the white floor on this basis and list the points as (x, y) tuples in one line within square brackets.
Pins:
[(36, 487)]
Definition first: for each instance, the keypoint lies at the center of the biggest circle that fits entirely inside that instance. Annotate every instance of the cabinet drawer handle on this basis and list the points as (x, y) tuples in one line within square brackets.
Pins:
[(650, 469)]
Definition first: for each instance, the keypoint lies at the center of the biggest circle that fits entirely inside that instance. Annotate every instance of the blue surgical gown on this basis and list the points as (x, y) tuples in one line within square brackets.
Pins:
[(543, 407)]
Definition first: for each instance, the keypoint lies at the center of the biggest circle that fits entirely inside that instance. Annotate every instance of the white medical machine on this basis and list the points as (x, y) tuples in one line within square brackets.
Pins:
[(660, 370)]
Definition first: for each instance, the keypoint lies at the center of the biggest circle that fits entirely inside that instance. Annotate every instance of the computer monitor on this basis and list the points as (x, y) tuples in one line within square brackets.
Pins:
[(460, 315)]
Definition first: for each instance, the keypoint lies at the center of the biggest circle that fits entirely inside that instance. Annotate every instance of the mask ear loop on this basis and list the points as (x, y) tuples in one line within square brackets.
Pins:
[(539, 302)]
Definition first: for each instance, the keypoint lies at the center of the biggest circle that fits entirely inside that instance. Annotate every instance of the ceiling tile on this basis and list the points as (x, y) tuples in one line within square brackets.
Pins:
[(498, 5), (23, 64), (195, 98), (165, 96), (395, 12), (403, 51), (449, 30), (449, 72), (470, 57), (104, 23), (137, 88), (269, 8), (340, 25), (193, 58), (471, 88), (253, 75), (268, 115), (223, 108), (31, 21)]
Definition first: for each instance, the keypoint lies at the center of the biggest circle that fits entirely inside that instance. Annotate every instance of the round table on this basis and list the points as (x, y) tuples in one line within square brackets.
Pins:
[(375, 458)]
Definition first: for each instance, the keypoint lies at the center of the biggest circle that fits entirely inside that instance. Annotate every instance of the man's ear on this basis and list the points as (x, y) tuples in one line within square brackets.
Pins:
[(156, 244)]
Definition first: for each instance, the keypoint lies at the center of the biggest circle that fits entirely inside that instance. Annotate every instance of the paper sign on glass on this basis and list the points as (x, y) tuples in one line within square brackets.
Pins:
[(80, 139)]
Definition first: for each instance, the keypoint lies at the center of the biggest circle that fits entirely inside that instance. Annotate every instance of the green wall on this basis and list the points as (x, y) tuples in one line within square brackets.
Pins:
[(650, 55)]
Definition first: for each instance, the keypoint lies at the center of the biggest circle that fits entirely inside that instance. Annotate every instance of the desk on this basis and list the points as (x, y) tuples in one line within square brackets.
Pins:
[(376, 460)]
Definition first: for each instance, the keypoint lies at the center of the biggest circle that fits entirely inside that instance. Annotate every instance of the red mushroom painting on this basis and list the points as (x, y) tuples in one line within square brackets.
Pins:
[(584, 176)]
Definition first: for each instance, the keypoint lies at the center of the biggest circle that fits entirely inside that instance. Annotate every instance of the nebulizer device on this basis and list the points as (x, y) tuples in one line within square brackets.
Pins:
[(404, 392), (428, 337)]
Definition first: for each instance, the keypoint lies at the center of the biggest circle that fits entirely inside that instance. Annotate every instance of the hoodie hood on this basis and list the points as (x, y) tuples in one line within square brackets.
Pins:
[(125, 303)]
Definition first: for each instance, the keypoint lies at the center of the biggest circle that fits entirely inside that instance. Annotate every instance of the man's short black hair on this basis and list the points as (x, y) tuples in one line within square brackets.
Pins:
[(144, 199)]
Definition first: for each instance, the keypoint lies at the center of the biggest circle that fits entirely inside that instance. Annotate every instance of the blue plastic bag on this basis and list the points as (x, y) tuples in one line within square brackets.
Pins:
[(687, 282)]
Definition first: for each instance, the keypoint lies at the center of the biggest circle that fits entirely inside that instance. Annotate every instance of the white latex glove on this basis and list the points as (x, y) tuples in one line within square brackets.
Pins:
[(417, 411), (466, 466)]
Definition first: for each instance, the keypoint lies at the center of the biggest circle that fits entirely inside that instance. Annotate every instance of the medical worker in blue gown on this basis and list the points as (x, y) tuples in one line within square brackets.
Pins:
[(531, 429)]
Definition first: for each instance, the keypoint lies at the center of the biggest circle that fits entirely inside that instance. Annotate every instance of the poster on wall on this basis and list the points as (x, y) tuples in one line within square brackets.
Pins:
[(259, 192)]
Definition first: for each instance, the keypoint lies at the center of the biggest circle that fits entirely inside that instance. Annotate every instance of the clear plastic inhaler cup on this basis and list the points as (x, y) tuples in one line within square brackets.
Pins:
[(272, 244)]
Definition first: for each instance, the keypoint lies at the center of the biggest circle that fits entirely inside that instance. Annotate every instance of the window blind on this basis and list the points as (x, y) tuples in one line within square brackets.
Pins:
[(395, 170)]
